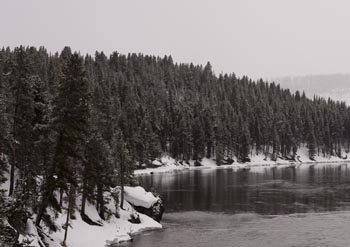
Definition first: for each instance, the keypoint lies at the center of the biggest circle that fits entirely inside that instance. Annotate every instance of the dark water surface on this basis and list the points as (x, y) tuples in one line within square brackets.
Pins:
[(205, 206), (262, 191)]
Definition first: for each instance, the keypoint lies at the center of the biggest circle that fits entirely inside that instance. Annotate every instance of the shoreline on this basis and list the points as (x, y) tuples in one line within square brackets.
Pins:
[(235, 166)]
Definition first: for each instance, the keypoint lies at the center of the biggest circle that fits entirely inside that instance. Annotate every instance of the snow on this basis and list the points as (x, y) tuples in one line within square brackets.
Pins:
[(168, 165), (31, 236), (116, 230), (157, 163), (257, 161), (80, 234), (113, 230), (5, 186), (139, 197), (208, 162), (91, 212)]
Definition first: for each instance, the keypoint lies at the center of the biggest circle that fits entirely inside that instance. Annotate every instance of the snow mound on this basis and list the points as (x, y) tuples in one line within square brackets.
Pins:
[(139, 197), (156, 163), (208, 162), (91, 212), (168, 161)]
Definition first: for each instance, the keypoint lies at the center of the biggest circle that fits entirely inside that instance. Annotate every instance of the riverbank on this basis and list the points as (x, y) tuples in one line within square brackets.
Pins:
[(115, 228), (167, 164), (80, 234), (112, 230)]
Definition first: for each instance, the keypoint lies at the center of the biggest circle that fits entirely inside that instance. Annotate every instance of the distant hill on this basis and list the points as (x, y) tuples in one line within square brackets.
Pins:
[(335, 86)]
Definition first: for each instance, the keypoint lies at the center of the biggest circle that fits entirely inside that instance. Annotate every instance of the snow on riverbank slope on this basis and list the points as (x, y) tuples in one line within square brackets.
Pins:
[(170, 164), (80, 234), (113, 230)]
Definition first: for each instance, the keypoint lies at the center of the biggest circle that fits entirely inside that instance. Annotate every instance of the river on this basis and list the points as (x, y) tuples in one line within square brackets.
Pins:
[(262, 207)]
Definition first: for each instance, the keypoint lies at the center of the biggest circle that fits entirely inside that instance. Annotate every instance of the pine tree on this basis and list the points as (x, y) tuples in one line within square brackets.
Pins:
[(198, 139), (244, 143), (71, 114), (122, 161), (311, 144), (97, 171), (5, 134), (22, 112)]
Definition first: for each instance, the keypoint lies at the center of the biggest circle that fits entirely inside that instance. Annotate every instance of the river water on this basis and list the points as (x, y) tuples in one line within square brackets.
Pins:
[(263, 207)]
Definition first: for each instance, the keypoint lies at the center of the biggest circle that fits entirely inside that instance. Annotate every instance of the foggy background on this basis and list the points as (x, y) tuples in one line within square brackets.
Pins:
[(268, 39)]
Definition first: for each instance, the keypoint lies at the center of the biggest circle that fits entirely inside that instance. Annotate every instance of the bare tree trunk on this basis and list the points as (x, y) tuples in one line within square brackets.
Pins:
[(44, 202), (83, 200), (122, 186), (61, 197), (100, 202), (48, 188), (12, 172), (68, 214), (41, 212), (13, 148), (208, 150)]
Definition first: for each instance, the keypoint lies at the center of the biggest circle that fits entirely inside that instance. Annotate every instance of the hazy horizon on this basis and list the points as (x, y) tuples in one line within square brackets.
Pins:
[(266, 39)]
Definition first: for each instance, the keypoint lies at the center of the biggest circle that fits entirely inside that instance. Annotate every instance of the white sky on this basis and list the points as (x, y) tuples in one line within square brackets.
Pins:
[(258, 38)]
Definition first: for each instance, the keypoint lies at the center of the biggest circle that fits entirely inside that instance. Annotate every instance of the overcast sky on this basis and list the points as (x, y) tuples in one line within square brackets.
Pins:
[(258, 38)]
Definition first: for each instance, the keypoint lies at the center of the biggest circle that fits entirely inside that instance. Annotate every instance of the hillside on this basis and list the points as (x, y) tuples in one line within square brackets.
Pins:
[(334, 86), (74, 127)]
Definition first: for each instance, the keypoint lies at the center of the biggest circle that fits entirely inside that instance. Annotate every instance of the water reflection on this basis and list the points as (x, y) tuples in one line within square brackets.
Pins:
[(264, 191)]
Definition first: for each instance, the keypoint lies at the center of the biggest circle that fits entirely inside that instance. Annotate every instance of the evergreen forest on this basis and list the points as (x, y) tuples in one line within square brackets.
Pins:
[(80, 124)]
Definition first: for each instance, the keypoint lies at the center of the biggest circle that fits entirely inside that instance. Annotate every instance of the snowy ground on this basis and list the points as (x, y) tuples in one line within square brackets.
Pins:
[(81, 234), (167, 164), (113, 230)]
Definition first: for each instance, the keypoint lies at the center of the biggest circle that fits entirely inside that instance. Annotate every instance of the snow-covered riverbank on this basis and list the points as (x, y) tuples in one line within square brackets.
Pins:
[(168, 164), (114, 229), (80, 234)]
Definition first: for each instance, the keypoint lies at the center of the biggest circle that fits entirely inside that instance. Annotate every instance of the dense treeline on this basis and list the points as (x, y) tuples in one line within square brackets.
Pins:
[(77, 125)]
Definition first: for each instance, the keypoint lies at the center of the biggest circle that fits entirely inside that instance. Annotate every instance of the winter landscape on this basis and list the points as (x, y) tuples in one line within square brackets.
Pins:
[(185, 123)]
